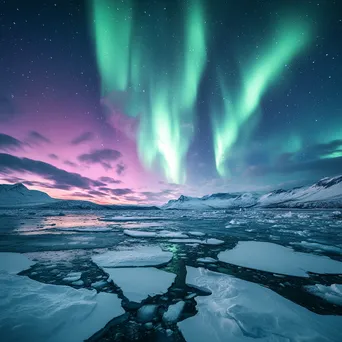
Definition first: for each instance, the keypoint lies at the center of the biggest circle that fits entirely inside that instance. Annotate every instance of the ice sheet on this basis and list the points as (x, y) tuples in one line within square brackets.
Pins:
[(33, 311), (140, 256), (270, 257), (14, 262), (242, 311), (139, 283)]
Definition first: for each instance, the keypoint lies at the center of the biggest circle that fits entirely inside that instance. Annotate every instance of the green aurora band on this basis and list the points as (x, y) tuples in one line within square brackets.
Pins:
[(158, 73), (291, 38), (162, 86)]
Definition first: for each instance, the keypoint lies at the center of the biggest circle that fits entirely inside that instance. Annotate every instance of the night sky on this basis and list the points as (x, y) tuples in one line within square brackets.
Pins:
[(119, 101)]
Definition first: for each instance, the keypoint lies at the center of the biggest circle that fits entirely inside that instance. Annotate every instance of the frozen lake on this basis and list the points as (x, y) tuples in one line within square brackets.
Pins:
[(161, 266)]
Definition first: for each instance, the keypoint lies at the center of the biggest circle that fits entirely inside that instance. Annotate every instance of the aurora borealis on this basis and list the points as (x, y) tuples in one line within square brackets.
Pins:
[(139, 101), (162, 83)]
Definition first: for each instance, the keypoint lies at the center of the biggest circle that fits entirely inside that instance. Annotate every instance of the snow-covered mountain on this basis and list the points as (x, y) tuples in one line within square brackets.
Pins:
[(87, 205), (214, 201), (19, 195), (326, 193)]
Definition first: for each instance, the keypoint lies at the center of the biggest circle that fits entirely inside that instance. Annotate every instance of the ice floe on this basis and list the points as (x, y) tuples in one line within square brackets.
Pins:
[(185, 241), (210, 241), (270, 257), (194, 233), (99, 284), (146, 313), (139, 233), (213, 242), (158, 234), (237, 311), (140, 256), (173, 312), (316, 245), (86, 229), (130, 218), (139, 283), (73, 276), (332, 293), (14, 262), (207, 260), (33, 311)]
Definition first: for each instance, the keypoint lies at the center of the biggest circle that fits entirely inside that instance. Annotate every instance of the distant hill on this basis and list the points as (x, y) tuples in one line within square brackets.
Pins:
[(18, 195), (214, 201), (326, 193)]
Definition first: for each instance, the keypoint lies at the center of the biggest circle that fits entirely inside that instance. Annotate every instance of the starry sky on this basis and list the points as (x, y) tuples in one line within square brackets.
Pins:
[(139, 101)]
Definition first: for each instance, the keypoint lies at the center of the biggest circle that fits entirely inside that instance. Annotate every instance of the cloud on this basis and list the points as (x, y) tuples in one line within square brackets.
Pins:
[(133, 199), (53, 156), (45, 185), (120, 168), (9, 143), (86, 136), (121, 192), (69, 163), (38, 138), (12, 179), (81, 194), (103, 157), (160, 196), (97, 193), (322, 150), (110, 180), (313, 159), (61, 178)]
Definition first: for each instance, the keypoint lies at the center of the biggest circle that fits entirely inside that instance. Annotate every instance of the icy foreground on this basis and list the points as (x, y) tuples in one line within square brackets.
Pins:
[(139, 283), (33, 311), (140, 256), (332, 293), (275, 258), (14, 262), (239, 310)]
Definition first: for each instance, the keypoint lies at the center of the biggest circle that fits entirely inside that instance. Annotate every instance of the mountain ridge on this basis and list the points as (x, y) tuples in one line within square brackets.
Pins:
[(18, 195), (326, 193)]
